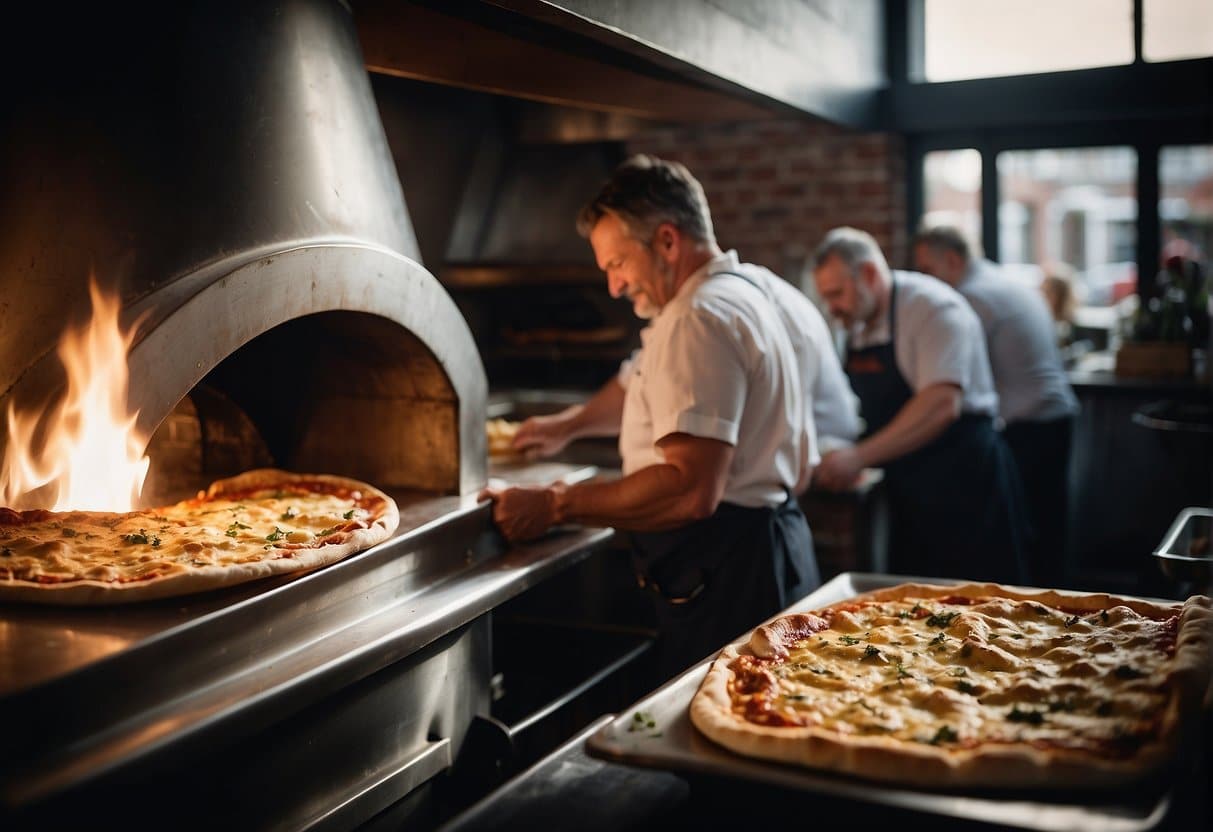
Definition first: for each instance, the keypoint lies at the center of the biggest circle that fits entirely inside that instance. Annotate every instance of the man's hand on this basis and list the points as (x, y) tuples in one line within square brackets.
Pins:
[(523, 513), (839, 470), (541, 436)]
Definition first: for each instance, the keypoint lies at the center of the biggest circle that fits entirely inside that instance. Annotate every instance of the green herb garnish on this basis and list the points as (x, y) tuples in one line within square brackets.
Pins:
[(848, 639), (944, 734), (941, 619), (289, 514), (349, 515), (141, 537), (1030, 717), (276, 535), (1071, 621)]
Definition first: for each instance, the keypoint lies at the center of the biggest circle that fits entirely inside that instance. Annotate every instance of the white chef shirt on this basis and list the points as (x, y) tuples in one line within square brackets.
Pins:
[(717, 363), (939, 339), (1032, 385)]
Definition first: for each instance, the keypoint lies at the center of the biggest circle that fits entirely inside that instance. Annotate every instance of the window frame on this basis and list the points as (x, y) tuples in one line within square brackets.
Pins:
[(1143, 105)]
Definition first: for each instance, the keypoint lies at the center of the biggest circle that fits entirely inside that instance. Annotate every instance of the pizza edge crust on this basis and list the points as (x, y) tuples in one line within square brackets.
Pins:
[(205, 578), (917, 764)]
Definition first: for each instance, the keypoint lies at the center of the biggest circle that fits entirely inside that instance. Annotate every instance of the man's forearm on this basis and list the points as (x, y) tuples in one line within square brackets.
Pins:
[(652, 499), (600, 415), (922, 419)]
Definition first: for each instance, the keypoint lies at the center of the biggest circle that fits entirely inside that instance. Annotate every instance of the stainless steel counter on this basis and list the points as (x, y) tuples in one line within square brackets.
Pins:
[(121, 691)]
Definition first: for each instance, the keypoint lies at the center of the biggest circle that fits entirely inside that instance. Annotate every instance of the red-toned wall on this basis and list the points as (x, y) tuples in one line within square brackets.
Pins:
[(775, 188)]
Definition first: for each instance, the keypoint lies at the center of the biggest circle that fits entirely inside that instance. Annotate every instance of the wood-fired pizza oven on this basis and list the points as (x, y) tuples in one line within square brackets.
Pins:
[(230, 179)]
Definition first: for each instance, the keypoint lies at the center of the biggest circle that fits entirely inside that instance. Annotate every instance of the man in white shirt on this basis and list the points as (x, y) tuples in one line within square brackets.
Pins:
[(714, 426), (1036, 402), (916, 358)]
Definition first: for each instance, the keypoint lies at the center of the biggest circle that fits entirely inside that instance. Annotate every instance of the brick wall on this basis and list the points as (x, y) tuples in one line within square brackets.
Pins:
[(775, 188)]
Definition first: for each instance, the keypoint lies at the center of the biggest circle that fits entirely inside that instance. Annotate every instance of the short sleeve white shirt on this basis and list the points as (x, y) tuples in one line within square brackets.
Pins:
[(717, 363), (939, 339)]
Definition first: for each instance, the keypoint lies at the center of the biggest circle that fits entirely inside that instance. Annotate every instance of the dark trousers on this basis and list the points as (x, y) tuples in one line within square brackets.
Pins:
[(1042, 455), (714, 579)]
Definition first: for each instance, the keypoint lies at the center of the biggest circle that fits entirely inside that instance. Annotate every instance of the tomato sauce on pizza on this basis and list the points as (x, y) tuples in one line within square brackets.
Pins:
[(257, 524), (971, 685)]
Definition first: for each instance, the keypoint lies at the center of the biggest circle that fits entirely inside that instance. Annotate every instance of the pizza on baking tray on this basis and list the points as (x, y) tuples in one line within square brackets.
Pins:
[(260, 523), (976, 685)]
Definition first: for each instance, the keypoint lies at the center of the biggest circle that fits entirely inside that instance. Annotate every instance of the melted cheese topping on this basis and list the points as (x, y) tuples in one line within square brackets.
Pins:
[(988, 671), (141, 545)]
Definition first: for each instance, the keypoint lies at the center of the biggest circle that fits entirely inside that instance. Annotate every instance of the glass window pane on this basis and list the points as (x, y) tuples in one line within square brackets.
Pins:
[(952, 190), (1185, 203), (1071, 209), (1176, 29), (985, 38)]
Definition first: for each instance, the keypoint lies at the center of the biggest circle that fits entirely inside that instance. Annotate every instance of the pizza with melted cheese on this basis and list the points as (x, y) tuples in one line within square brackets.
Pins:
[(260, 523), (975, 685)]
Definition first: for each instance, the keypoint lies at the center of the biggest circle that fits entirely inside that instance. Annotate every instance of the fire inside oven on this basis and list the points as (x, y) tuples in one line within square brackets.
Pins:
[(242, 205)]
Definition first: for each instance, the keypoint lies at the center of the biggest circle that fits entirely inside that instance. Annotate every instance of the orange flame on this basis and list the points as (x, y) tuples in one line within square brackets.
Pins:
[(92, 458)]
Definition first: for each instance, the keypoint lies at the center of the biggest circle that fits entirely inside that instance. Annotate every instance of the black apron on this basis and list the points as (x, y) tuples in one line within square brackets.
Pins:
[(955, 508), (716, 578)]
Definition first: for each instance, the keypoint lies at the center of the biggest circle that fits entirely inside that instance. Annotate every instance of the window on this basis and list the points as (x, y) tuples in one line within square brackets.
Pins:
[(1071, 207), (952, 190), (987, 38), (1185, 203), (1176, 29)]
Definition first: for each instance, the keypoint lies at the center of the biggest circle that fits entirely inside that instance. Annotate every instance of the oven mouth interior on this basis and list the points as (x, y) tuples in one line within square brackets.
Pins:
[(345, 393)]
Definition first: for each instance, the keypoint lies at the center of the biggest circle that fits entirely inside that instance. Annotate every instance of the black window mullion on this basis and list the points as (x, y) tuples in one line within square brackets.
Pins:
[(989, 198), (1149, 235)]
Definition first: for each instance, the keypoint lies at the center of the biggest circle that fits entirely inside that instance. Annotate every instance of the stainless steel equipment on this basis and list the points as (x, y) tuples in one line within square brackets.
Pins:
[(230, 177)]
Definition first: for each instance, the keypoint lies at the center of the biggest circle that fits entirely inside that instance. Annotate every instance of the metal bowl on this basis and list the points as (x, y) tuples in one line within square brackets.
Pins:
[(1186, 552)]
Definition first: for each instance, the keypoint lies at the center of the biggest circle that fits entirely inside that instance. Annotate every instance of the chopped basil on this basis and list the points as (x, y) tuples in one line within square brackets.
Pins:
[(941, 619), (326, 532), (939, 640), (1071, 621), (870, 652), (848, 639), (289, 514), (945, 734), (958, 671), (276, 535), (902, 673), (136, 538), (1030, 717), (155, 542), (234, 529), (642, 720), (349, 515)]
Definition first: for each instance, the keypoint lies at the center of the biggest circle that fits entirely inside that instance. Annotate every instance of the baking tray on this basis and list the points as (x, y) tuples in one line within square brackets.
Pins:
[(673, 744)]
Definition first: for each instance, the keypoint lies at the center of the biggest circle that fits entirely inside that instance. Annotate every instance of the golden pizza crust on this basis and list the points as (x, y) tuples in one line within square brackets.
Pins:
[(1007, 765), (195, 579)]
